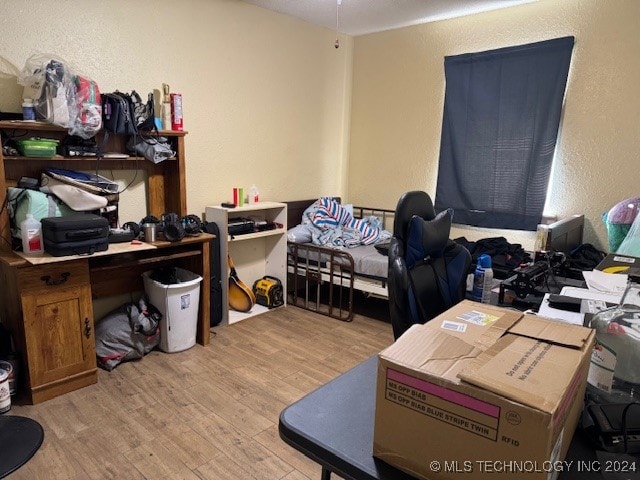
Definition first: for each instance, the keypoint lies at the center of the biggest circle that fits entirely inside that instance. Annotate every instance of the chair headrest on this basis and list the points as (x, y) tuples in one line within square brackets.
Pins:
[(427, 238), (414, 203)]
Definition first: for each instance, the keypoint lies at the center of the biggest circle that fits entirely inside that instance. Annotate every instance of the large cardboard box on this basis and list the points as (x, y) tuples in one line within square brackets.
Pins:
[(481, 392)]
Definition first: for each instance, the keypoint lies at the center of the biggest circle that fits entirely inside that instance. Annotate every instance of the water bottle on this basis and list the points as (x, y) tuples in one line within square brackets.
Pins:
[(28, 110), (483, 280), (31, 231), (253, 194), (542, 235), (614, 376)]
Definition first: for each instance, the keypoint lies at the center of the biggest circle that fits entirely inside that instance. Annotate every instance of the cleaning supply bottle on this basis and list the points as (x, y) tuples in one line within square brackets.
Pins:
[(31, 231), (483, 279), (253, 194), (176, 112)]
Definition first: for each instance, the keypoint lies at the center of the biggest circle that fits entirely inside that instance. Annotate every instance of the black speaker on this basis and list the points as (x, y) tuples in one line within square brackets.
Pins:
[(192, 225), (134, 227), (172, 227)]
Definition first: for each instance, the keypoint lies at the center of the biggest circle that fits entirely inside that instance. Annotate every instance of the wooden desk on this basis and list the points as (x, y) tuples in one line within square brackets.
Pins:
[(333, 425), (46, 302)]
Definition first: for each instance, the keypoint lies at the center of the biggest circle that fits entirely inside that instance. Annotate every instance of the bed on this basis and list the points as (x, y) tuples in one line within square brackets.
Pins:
[(322, 278)]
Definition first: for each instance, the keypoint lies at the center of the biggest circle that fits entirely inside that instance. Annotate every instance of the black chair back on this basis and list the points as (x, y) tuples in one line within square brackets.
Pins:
[(427, 271)]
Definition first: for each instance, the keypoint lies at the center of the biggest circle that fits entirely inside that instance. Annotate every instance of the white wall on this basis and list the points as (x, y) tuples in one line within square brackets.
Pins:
[(398, 95), (266, 97)]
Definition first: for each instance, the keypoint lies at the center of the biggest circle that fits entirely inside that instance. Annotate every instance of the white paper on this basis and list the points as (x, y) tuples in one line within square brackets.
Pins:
[(605, 282), (591, 294)]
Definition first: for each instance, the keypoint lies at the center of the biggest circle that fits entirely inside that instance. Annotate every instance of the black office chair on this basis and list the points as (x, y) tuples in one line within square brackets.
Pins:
[(427, 271)]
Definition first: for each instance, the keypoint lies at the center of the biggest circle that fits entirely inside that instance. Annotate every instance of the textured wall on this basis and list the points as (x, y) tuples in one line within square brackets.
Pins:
[(398, 94), (266, 97)]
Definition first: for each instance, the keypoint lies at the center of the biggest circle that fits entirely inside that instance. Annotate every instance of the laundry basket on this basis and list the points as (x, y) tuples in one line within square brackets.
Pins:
[(175, 292)]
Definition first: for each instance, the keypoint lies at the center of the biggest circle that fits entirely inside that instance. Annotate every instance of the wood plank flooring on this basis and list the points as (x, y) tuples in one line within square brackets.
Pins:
[(209, 413)]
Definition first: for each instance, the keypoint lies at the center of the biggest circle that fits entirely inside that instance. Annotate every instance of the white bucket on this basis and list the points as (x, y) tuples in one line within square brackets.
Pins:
[(5, 392), (178, 303)]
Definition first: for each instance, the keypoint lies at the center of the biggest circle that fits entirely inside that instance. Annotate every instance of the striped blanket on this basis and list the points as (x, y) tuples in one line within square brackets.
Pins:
[(332, 224)]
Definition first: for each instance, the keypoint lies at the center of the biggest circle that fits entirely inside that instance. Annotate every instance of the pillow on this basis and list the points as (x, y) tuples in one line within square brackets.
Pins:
[(427, 237), (39, 204), (299, 234)]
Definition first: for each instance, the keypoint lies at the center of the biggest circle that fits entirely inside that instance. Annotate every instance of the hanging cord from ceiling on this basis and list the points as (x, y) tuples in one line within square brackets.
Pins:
[(338, 3)]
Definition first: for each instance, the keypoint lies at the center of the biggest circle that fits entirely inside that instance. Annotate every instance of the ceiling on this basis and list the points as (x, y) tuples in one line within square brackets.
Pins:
[(359, 17)]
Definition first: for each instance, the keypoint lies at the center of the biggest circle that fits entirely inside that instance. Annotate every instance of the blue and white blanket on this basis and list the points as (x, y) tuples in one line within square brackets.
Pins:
[(330, 223)]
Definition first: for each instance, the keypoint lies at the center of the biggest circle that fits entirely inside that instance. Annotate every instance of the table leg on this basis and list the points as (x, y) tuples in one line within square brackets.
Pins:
[(326, 474)]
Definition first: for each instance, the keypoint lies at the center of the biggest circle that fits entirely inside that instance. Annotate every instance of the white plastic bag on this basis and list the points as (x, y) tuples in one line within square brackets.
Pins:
[(61, 95), (48, 82)]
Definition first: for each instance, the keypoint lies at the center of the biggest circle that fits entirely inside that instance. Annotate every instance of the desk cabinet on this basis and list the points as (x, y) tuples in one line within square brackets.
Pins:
[(56, 331), (48, 307)]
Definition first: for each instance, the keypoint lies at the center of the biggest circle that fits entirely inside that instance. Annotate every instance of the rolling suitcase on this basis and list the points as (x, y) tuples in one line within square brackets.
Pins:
[(83, 233)]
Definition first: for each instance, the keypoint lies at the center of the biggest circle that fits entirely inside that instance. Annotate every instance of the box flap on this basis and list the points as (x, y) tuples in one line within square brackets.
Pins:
[(444, 345), (430, 351), (530, 371), (475, 323), (552, 331)]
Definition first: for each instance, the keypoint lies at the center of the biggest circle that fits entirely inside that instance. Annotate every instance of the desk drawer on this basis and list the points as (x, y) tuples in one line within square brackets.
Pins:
[(53, 275)]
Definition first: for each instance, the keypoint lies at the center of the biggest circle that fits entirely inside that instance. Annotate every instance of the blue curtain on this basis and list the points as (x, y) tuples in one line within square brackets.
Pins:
[(500, 124)]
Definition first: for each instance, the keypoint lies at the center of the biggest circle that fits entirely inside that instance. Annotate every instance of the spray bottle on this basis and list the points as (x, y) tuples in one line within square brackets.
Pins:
[(483, 279), (253, 194)]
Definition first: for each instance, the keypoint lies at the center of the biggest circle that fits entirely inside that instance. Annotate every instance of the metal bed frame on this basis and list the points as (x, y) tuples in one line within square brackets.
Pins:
[(323, 279)]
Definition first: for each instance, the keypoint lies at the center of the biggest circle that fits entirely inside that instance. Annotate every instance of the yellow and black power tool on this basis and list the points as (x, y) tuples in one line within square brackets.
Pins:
[(268, 292)]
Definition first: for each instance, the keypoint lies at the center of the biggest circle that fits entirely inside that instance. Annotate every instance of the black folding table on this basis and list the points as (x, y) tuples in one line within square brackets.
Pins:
[(333, 425), (20, 439)]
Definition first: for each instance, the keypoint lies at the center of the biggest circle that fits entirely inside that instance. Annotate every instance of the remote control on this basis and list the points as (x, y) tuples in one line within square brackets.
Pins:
[(228, 205)]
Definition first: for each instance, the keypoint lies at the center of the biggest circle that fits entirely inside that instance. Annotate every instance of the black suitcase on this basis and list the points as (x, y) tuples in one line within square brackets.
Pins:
[(83, 233)]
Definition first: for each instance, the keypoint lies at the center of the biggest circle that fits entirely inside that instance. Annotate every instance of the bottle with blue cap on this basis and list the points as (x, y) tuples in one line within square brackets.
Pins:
[(483, 279)]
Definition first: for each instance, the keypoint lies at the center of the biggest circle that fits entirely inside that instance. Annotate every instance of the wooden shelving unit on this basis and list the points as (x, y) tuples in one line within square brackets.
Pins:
[(254, 254), (47, 304)]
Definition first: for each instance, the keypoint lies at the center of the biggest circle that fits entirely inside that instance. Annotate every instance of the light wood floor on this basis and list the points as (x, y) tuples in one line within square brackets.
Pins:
[(206, 413)]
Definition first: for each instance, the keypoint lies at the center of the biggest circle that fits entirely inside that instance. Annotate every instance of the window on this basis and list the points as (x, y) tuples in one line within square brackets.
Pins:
[(500, 126)]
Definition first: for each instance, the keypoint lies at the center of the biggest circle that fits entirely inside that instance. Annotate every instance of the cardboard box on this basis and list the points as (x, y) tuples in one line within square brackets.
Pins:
[(481, 392), (616, 263)]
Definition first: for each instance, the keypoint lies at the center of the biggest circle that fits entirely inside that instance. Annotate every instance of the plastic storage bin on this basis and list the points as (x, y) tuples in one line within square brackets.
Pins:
[(175, 292), (38, 147)]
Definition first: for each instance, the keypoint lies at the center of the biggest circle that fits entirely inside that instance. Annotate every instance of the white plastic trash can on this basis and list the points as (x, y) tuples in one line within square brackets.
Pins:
[(178, 303)]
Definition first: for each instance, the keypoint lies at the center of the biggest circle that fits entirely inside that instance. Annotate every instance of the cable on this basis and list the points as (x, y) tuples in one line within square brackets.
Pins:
[(339, 2)]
